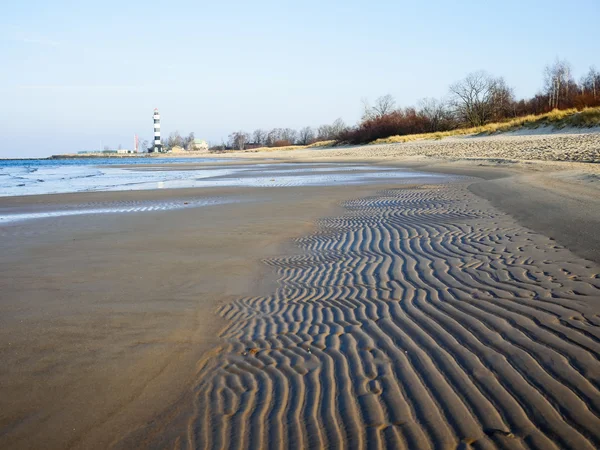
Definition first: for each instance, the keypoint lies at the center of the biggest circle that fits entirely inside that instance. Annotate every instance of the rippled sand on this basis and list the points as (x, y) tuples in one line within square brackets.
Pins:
[(420, 318)]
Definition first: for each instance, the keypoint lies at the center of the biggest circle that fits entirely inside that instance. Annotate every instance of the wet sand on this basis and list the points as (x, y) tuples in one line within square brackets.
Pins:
[(104, 318), (403, 316)]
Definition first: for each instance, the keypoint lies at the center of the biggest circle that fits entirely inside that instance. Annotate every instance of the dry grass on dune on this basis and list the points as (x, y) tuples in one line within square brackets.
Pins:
[(321, 144), (588, 117)]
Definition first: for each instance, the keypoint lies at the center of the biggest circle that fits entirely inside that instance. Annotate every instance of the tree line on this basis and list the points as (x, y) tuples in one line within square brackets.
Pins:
[(476, 100), (175, 139), (283, 137)]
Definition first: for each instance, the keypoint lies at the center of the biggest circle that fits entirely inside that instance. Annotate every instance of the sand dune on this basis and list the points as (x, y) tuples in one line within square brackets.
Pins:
[(421, 318)]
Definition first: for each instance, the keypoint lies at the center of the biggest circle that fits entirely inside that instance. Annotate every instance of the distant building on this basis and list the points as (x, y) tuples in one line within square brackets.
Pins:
[(198, 145)]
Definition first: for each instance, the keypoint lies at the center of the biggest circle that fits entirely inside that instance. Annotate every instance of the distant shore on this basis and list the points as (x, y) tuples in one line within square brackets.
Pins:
[(132, 155), (577, 144)]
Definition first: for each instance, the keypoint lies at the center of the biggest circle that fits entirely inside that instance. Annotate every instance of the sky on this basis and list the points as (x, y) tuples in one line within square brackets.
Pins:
[(81, 75)]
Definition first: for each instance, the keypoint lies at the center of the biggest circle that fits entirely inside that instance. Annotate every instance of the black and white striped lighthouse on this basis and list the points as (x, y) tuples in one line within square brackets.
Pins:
[(157, 147)]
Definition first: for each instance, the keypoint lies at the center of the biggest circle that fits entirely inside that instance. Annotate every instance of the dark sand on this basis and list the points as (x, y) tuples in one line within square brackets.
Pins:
[(412, 317)]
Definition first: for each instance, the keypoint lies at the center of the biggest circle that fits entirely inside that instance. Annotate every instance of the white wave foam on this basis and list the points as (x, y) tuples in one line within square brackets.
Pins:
[(114, 209), (72, 178)]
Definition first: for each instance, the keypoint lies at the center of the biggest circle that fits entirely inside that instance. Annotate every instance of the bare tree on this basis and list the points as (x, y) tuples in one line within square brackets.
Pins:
[(289, 135), (384, 105), (188, 141), (477, 97), (324, 133), (174, 140), (239, 139), (367, 111), (330, 132), (591, 83), (337, 127), (502, 100), (144, 145), (273, 136), (259, 136), (306, 136), (558, 80), (436, 112)]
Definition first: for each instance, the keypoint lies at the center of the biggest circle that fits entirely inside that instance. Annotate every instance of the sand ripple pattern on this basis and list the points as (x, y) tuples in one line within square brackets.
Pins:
[(422, 318)]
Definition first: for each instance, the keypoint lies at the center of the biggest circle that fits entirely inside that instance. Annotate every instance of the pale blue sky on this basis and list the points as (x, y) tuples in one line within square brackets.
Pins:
[(77, 75)]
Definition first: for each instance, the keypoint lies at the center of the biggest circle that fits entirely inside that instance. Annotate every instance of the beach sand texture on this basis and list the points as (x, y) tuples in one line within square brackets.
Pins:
[(416, 315), (420, 318), (555, 146), (574, 145)]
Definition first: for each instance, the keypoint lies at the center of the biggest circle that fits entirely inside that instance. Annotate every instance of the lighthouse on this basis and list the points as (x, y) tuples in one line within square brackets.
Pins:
[(157, 147)]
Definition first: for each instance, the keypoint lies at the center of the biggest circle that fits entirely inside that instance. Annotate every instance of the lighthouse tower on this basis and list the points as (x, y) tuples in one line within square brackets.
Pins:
[(157, 147)]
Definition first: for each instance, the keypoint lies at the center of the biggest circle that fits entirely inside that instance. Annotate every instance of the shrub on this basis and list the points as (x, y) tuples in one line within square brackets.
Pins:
[(282, 143), (401, 122)]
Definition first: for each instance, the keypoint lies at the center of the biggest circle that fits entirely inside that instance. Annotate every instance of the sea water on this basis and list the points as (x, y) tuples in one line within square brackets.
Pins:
[(52, 176), (35, 177)]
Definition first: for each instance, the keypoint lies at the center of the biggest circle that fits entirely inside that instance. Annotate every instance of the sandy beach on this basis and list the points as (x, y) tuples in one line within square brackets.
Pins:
[(461, 311), (105, 317)]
